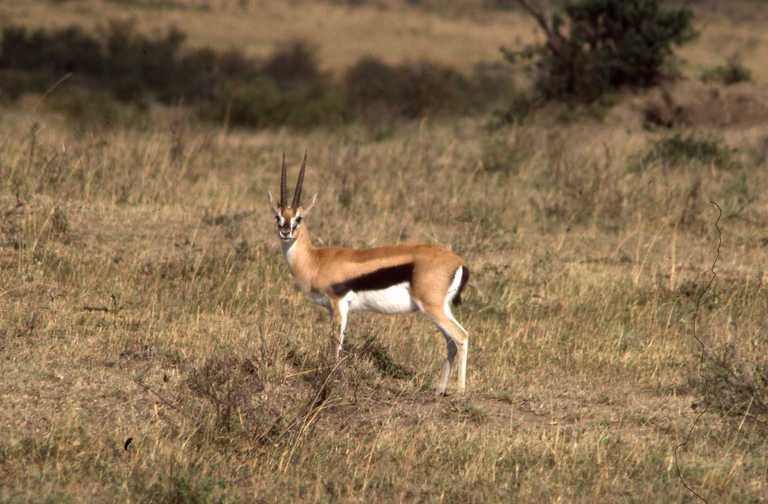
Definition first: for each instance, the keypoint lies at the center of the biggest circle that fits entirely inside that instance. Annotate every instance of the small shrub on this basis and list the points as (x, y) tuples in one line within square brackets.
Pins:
[(682, 149), (411, 90), (432, 88), (517, 108), (136, 64), (760, 151), (505, 153), (206, 73), (490, 85), (15, 83), (263, 103), (59, 224), (735, 385), (732, 72), (372, 85), (89, 109), (229, 386), (58, 52), (664, 112), (381, 359), (294, 62), (178, 483)]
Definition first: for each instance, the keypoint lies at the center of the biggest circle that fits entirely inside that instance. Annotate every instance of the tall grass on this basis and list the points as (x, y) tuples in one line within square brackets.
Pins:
[(144, 297)]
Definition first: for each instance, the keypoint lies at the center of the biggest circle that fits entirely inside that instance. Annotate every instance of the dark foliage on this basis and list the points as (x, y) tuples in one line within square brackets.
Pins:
[(120, 70), (732, 72), (293, 63), (414, 90), (372, 84), (735, 385), (682, 150), (229, 385), (597, 46)]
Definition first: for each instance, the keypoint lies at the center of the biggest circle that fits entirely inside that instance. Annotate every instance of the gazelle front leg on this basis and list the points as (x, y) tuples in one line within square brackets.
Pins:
[(339, 310)]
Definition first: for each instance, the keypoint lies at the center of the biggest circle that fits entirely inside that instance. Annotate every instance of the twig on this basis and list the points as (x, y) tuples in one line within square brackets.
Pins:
[(554, 38), (96, 309), (115, 307), (677, 465), (712, 277), (700, 297), (51, 89), (313, 409)]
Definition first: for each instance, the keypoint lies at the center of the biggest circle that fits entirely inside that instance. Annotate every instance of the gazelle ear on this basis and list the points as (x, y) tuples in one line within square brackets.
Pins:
[(314, 200), (272, 204)]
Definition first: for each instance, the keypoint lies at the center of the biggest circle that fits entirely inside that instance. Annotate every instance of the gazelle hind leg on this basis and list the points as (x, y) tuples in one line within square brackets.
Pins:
[(448, 364), (457, 343), (462, 380)]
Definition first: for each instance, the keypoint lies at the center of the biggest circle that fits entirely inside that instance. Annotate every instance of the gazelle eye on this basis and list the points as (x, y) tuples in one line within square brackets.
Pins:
[(277, 219), (298, 220)]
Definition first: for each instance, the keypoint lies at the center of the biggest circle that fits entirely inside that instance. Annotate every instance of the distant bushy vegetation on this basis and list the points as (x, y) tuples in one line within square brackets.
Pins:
[(286, 89), (411, 90), (732, 72), (597, 46), (686, 149)]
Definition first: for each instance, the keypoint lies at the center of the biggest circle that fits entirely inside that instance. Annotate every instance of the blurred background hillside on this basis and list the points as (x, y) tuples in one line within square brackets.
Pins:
[(305, 64)]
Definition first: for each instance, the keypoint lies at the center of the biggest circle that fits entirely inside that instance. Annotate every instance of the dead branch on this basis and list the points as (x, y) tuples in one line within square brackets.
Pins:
[(554, 37)]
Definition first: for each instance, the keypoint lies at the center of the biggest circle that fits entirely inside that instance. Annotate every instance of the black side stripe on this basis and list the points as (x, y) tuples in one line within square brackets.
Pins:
[(376, 280)]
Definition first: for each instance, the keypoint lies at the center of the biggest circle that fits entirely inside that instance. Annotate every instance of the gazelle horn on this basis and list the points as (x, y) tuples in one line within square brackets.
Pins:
[(297, 193), (283, 190)]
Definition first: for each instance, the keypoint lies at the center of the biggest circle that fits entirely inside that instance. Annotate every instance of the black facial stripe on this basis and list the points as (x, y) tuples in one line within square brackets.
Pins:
[(376, 280)]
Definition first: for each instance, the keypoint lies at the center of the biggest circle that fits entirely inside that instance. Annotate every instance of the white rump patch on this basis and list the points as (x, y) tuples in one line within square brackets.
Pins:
[(453, 289), (394, 299)]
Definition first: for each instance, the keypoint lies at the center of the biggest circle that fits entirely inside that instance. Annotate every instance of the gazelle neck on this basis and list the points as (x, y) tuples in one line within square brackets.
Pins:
[(301, 258)]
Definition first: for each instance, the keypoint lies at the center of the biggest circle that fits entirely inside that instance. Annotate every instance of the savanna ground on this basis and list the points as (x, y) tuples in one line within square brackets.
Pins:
[(144, 296)]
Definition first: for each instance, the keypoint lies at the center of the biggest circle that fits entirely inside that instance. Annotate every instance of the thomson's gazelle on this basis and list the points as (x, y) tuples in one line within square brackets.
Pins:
[(391, 279)]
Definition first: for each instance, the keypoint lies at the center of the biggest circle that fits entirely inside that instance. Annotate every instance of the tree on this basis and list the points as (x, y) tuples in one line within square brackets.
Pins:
[(596, 46)]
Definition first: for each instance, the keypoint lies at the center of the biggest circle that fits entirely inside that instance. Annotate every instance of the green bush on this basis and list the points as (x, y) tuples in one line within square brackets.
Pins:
[(123, 62), (60, 52), (411, 90), (14, 83), (90, 109), (734, 384), (732, 72), (286, 89), (679, 149), (432, 88), (265, 103), (372, 85), (597, 46), (294, 62)]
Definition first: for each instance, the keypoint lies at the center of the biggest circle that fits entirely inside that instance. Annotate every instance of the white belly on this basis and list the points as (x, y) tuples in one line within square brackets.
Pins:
[(395, 299)]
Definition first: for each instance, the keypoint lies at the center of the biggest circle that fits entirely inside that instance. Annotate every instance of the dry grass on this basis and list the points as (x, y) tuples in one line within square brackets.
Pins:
[(144, 297)]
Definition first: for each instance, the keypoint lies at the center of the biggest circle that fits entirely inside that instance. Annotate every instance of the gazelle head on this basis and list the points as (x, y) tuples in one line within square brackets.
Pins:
[(289, 218)]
